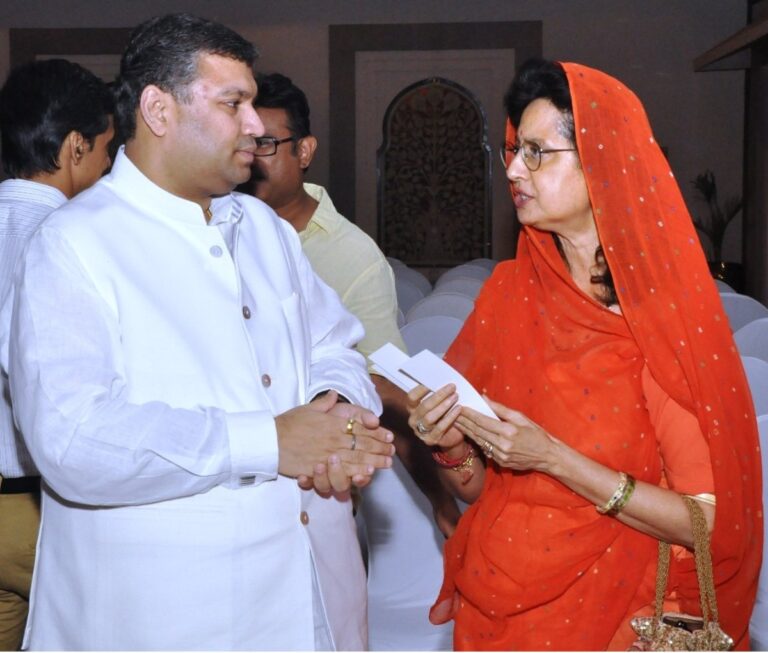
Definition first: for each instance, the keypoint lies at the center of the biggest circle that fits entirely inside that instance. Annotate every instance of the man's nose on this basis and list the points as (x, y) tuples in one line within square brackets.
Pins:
[(253, 125)]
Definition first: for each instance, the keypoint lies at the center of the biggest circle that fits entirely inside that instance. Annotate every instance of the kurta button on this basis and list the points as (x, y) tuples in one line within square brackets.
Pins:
[(246, 313), (266, 380), (216, 251), (304, 517)]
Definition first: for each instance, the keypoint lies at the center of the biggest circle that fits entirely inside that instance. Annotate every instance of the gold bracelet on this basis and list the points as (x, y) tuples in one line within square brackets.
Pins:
[(620, 496)]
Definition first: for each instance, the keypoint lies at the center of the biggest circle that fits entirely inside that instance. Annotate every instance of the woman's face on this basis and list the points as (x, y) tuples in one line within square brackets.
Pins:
[(554, 197)]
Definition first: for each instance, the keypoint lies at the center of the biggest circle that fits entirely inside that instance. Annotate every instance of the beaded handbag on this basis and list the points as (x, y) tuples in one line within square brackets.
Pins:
[(673, 631)]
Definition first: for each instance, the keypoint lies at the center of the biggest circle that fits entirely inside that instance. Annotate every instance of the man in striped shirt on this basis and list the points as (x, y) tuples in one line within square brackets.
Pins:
[(56, 126)]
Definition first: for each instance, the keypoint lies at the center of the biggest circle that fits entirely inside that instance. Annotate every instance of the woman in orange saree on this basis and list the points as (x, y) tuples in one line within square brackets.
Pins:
[(609, 361)]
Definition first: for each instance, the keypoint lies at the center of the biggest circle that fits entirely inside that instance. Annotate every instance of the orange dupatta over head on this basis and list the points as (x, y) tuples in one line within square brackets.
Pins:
[(532, 565)]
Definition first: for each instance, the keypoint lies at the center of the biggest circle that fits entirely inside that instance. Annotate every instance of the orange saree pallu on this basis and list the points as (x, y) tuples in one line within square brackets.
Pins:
[(532, 565)]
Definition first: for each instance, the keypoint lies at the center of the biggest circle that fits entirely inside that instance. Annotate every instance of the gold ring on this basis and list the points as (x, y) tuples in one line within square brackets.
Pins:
[(350, 424), (354, 442), (488, 449), (423, 430)]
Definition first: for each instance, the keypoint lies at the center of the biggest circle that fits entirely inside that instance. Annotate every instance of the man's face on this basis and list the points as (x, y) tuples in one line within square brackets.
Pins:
[(211, 134), (277, 179), (95, 161)]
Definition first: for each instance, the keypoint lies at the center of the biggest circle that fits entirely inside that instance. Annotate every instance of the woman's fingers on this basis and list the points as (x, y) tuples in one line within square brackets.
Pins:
[(507, 414), (430, 417), (415, 396)]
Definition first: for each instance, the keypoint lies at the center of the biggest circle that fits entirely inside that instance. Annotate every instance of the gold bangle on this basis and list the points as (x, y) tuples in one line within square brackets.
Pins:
[(620, 496)]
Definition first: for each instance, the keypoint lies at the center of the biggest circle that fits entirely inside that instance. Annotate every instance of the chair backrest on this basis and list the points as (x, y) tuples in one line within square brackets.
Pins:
[(463, 285), (752, 339), (758, 625), (467, 270), (408, 294), (414, 276), (394, 262), (757, 376), (722, 286), (741, 309), (435, 332), (442, 303), (488, 263)]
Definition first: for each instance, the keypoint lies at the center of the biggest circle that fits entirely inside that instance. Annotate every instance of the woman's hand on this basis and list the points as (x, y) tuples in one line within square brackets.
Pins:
[(432, 418), (513, 441)]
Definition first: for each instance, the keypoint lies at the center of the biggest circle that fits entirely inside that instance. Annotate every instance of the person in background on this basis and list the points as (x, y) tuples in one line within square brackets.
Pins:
[(176, 366), (604, 351), (351, 263), (55, 126)]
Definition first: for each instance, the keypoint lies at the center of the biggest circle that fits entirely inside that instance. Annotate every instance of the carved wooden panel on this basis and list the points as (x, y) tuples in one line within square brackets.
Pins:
[(434, 176)]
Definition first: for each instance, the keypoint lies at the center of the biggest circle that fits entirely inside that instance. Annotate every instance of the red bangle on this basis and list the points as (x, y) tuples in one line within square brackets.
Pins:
[(462, 466), (443, 460)]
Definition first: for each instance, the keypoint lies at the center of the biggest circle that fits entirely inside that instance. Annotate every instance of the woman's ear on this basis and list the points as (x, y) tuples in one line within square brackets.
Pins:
[(155, 108), (306, 151)]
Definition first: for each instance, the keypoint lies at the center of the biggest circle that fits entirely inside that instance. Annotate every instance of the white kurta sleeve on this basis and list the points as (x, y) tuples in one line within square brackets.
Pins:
[(68, 386), (334, 331)]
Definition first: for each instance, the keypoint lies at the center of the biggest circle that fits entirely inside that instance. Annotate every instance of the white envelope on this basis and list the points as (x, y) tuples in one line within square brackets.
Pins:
[(433, 372), (429, 370), (387, 361)]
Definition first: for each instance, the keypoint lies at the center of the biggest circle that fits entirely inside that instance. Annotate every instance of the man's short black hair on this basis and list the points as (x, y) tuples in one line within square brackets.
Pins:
[(40, 103), (164, 51), (277, 91)]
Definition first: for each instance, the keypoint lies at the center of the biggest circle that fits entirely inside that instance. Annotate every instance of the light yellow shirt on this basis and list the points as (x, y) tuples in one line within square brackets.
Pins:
[(350, 262)]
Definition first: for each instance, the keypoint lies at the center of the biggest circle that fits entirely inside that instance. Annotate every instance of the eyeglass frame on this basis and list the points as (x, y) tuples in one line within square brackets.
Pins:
[(503, 149), (276, 142)]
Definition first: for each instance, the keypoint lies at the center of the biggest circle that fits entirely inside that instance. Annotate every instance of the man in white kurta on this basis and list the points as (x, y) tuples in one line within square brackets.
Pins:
[(160, 347)]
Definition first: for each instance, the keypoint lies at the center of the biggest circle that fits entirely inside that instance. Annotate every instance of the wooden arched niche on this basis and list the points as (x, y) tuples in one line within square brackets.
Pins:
[(434, 183)]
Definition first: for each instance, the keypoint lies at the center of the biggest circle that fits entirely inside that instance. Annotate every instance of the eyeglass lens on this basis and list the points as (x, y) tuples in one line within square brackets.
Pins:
[(531, 155)]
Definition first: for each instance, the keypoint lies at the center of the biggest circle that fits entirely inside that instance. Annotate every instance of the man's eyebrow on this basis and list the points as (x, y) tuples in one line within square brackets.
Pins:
[(239, 92)]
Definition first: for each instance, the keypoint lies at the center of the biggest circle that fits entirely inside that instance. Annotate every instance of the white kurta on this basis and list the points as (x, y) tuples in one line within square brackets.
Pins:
[(147, 400)]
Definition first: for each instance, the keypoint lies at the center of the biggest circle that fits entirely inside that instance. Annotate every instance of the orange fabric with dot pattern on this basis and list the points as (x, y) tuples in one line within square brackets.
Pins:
[(532, 565)]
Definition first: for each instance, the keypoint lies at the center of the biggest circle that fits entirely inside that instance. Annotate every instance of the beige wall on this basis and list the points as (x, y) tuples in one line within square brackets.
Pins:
[(649, 44)]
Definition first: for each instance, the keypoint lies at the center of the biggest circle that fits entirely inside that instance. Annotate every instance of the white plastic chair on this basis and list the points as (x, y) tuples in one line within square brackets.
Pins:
[(453, 304), (395, 262), (741, 309), (435, 332), (414, 276), (407, 293), (722, 286), (752, 339), (488, 263), (405, 565), (463, 285), (758, 624), (467, 270), (757, 376)]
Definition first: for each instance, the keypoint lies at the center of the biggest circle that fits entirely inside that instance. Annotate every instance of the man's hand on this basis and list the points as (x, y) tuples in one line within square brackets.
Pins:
[(336, 444)]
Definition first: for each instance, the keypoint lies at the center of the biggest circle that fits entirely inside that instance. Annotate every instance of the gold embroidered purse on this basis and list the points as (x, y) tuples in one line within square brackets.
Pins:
[(673, 631)]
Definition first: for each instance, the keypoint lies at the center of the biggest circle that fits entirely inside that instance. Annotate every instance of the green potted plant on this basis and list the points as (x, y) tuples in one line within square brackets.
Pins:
[(714, 225)]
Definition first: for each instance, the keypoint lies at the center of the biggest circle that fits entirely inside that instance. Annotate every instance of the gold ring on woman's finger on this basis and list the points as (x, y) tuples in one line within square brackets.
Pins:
[(350, 424), (488, 449), (354, 442), (423, 430)]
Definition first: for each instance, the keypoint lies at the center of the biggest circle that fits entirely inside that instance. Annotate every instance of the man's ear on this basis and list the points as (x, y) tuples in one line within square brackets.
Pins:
[(306, 151), (155, 107), (73, 148)]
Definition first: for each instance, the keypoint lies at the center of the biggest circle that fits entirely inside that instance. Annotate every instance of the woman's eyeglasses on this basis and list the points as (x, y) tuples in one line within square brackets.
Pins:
[(531, 154)]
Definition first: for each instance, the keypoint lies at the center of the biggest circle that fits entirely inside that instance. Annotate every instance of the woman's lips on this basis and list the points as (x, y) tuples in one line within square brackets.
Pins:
[(520, 199)]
